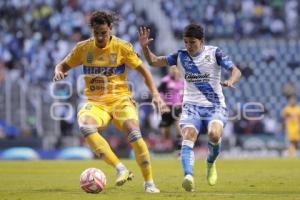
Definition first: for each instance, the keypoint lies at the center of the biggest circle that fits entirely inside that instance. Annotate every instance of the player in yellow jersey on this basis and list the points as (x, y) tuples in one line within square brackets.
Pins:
[(291, 114), (104, 59)]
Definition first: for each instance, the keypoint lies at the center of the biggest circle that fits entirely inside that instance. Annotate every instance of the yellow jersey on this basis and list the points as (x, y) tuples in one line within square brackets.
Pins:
[(292, 121), (104, 69)]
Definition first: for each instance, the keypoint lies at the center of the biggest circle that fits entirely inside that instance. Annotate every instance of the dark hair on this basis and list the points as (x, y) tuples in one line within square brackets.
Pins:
[(194, 30), (102, 17), (292, 96)]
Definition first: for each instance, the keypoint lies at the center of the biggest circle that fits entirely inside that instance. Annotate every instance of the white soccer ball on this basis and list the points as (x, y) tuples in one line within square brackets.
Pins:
[(92, 180)]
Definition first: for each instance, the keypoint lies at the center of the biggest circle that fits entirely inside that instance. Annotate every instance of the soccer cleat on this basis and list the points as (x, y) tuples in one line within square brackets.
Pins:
[(211, 175), (151, 188), (123, 176), (188, 183)]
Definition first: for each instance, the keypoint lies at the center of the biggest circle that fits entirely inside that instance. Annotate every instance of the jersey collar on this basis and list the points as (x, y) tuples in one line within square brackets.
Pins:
[(199, 52), (108, 45)]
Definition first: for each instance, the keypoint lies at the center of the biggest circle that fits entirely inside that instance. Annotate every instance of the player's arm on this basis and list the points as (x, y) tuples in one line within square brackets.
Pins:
[(72, 60), (156, 99), (225, 62), (60, 71), (284, 118), (152, 59), (234, 78)]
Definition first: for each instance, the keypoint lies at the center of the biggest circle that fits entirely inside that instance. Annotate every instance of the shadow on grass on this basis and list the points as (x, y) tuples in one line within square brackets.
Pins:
[(55, 190)]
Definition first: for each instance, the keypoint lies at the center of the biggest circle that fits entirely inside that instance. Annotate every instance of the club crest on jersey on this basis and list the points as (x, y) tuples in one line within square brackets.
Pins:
[(207, 58), (112, 58), (89, 57)]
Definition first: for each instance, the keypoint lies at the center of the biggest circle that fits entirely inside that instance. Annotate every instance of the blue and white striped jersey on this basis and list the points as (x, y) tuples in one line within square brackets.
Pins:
[(202, 75)]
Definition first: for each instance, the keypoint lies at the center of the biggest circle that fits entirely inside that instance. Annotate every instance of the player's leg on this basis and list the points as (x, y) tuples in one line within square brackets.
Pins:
[(189, 136), (215, 130), (141, 153), (165, 125), (293, 139), (178, 137), (165, 132), (292, 148), (190, 124), (126, 120), (91, 119)]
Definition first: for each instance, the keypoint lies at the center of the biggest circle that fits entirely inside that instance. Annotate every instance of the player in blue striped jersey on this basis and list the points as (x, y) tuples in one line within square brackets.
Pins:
[(204, 107)]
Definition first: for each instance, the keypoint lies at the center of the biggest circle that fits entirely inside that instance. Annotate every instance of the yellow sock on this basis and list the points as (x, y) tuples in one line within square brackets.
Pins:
[(143, 158), (102, 149), (292, 150)]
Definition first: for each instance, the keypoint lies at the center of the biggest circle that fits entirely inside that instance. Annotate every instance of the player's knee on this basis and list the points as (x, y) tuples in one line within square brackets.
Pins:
[(86, 131), (130, 125), (87, 125), (87, 120), (214, 136), (134, 135), (189, 133), (215, 130)]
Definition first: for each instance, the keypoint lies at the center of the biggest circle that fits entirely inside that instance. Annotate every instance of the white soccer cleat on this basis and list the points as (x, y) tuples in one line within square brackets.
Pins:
[(151, 188), (188, 183), (123, 176)]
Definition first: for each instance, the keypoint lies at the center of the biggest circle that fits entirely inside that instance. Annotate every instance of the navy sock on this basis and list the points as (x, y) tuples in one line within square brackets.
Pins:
[(213, 152)]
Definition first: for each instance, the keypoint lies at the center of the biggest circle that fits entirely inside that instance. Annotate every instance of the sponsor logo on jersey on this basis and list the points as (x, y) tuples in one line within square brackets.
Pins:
[(197, 77), (102, 70), (97, 80)]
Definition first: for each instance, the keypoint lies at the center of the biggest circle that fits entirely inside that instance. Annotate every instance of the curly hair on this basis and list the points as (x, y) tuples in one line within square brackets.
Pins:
[(103, 17)]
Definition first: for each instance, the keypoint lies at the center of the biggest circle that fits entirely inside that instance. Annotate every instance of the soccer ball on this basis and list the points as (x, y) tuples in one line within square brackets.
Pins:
[(92, 180)]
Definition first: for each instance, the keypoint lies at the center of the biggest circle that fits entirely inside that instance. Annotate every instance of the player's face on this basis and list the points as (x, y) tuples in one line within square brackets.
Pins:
[(292, 101), (102, 34), (193, 45)]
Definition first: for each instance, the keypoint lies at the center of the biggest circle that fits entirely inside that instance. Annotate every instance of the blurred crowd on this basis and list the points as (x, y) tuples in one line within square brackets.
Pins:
[(236, 18), (37, 34)]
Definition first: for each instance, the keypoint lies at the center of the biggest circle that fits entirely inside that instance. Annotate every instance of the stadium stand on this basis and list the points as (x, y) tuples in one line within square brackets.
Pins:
[(261, 37)]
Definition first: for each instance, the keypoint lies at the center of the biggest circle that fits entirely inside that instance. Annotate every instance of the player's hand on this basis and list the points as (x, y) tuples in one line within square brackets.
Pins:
[(160, 105), (59, 75), (144, 34), (227, 83)]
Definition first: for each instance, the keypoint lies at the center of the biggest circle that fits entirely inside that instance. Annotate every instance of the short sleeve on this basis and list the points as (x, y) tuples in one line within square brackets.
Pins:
[(131, 58), (284, 112), (172, 59), (74, 58), (223, 60)]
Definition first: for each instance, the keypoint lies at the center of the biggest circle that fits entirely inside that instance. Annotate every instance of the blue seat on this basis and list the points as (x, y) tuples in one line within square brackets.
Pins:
[(75, 153), (20, 153)]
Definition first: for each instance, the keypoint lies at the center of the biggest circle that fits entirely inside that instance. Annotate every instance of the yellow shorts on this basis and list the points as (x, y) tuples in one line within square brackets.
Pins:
[(294, 136), (117, 112)]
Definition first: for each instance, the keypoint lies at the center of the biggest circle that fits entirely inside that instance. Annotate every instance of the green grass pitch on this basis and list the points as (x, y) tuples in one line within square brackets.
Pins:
[(238, 180)]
